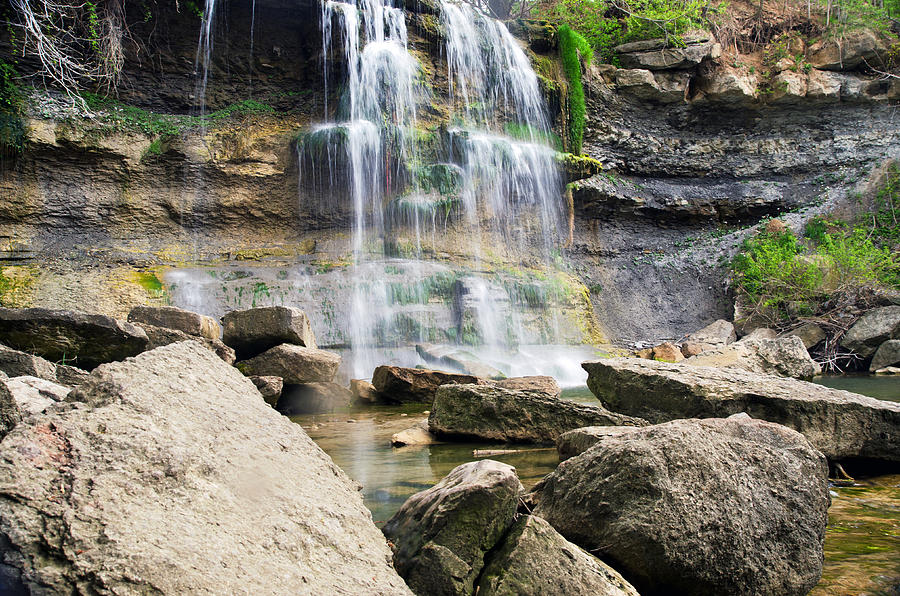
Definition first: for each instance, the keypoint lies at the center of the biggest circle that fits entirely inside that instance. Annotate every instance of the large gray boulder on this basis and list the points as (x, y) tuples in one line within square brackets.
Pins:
[(251, 332), (172, 317), (294, 364), (489, 413), (718, 333), (168, 474), (718, 506), (88, 340), (441, 535), (783, 357), (163, 336), (313, 398), (396, 384), (886, 355), (839, 423), (535, 559), (873, 329), (848, 51)]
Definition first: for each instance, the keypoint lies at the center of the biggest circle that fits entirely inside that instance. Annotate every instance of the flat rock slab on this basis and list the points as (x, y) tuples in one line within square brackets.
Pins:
[(168, 474), (488, 413), (253, 331), (294, 364), (540, 383), (839, 423), (535, 559), (783, 357), (58, 335), (717, 506), (441, 535), (34, 395), (172, 317), (396, 384)]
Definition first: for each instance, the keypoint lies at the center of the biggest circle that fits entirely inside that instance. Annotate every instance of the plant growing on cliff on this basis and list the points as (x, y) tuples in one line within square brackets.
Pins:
[(12, 129), (574, 49)]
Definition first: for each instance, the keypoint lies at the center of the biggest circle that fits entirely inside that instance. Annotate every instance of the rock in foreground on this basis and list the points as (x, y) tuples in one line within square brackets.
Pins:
[(535, 559), (495, 414), (839, 423), (59, 335), (720, 506), (253, 331), (441, 535), (168, 474), (396, 384)]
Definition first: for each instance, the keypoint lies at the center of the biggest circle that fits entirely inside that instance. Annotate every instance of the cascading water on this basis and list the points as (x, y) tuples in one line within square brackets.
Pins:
[(498, 165)]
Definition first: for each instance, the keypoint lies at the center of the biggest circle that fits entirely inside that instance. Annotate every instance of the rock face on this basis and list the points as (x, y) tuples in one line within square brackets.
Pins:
[(172, 317), (577, 441), (535, 559), (784, 357), (440, 536), (496, 414), (872, 329), (251, 332), (717, 506), (396, 384), (182, 480), (34, 395), (848, 52), (632, 55), (838, 423), (163, 336), (294, 364), (313, 398), (887, 354), (58, 335), (810, 333), (541, 383)]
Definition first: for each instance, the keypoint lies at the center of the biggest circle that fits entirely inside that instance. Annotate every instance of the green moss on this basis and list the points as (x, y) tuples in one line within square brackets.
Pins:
[(571, 45), (16, 285)]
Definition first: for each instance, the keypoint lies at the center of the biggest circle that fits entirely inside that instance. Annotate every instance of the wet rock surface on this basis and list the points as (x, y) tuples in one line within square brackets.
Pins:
[(717, 506), (495, 414), (838, 423), (85, 339), (182, 480)]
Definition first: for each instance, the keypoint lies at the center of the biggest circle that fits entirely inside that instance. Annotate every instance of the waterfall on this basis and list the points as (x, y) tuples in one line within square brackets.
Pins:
[(495, 163)]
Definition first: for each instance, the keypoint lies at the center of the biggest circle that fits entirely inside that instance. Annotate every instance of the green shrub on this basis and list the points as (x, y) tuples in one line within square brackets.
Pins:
[(886, 217), (574, 49), (854, 261)]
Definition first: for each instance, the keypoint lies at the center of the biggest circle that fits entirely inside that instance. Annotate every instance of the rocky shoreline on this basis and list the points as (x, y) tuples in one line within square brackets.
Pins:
[(686, 479)]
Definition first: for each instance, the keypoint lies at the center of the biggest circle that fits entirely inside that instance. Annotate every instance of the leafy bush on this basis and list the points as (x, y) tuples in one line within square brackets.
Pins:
[(886, 216), (571, 46)]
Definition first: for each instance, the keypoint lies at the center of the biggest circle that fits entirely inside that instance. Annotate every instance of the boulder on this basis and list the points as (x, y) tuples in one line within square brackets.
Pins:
[(163, 336), (313, 398), (294, 364), (691, 348), (688, 56), (171, 317), (638, 82), (717, 333), (70, 376), (363, 391), (728, 85), (459, 359), (16, 364), (717, 506), (784, 357), (269, 387), (887, 354), (541, 383), (396, 384), (873, 329), (167, 474), (788, 87), (849, 51), (495, 414), (60, 335), (667, 352), (760, 333), (441, 535), (10, 416), (823, 86), (577, 441), (809, 333), (251, 332), (839, 423), (535, 559), (34, 395), (414, 435)]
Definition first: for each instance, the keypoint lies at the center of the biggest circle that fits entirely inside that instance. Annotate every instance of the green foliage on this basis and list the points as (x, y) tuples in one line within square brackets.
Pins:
[(12, 128), (571, 47), (853, 260), (848, 15), (886, 216), (606, 24)]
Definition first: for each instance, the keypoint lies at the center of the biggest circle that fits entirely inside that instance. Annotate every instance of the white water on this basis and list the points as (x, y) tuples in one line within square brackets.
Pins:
[(366, 155)]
